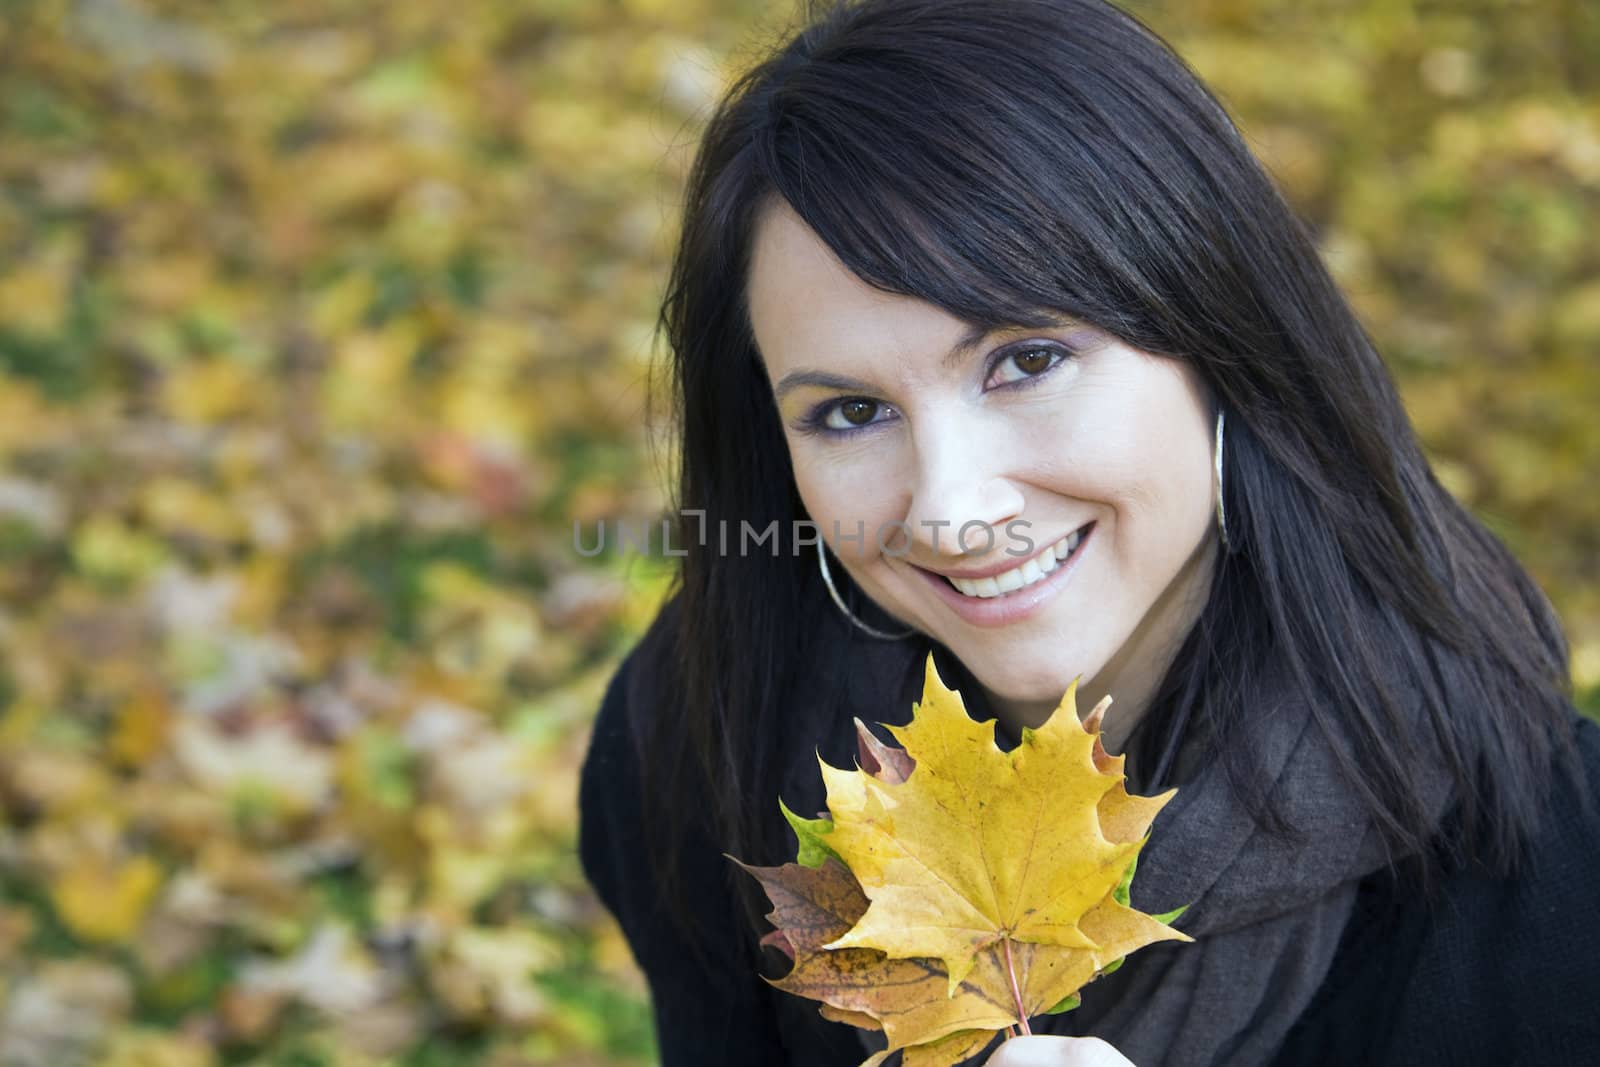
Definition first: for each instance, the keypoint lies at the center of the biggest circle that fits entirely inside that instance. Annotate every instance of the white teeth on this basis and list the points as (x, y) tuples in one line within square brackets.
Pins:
[(1025, 574), (984, 587)]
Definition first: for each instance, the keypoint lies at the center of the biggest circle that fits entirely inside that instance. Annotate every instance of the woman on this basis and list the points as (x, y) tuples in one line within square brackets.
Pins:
[(1007, 270)]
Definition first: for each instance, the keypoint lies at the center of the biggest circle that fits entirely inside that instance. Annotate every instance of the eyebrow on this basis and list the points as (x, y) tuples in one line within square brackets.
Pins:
[(958, 352)]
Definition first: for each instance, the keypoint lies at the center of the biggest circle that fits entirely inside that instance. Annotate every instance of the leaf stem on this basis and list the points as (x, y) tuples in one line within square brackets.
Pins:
[(1016, 990)]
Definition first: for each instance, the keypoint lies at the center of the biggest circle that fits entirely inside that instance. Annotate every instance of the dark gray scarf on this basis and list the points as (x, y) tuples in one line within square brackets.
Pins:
[(1267, 911)]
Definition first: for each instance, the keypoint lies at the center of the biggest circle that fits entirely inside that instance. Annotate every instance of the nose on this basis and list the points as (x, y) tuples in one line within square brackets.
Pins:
[(962, 494)]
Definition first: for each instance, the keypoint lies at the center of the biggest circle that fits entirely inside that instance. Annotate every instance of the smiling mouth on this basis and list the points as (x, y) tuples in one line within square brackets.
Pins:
[(1030, 571)]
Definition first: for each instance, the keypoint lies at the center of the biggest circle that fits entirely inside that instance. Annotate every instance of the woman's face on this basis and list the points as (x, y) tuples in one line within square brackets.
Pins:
[(1090, 462)]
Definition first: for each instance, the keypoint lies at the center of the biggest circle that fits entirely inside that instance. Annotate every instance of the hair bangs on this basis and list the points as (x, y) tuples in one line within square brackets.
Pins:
[(963, 205)]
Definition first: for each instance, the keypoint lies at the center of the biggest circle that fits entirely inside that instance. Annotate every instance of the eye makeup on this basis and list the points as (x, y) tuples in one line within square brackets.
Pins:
[(837, 416)]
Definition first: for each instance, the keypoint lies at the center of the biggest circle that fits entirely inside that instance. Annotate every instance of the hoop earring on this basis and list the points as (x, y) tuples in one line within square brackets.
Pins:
[(827, 579), (1222, 513)]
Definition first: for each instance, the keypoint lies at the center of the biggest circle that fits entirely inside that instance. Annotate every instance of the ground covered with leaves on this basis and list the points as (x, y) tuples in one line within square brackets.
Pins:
[(321, 321)]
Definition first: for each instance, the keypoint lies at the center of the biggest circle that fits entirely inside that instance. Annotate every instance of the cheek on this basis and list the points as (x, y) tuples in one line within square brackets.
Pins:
[(1167, 488), (1148, 465), (1103, 456), (844, 492), (1169, 509)]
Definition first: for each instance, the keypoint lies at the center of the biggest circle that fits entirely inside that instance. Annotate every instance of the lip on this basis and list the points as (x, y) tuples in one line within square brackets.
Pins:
[(1009, 607), (1001, 566)]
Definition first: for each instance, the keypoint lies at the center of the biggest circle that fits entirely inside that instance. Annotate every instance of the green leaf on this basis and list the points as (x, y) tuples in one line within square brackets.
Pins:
[(1066, 1005), (1170, 917), (1120, 894), (814, 851)]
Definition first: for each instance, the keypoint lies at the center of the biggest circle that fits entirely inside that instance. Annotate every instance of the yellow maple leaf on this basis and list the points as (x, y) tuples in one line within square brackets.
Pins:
[(977, 887), (979, 846)]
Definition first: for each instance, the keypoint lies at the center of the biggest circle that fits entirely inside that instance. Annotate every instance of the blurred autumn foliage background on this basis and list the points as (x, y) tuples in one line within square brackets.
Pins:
[(321, 321)]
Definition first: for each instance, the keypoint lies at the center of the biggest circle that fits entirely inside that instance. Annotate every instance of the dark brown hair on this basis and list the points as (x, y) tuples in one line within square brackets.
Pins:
[(1009, 158)]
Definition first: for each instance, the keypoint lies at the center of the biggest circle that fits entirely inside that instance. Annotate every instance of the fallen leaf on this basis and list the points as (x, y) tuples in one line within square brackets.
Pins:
[(103, 902), (958, 890)]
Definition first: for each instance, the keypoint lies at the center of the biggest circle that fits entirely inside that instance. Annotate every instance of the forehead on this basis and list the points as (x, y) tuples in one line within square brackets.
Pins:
[(783, 244), (794, 275), (805, 303)]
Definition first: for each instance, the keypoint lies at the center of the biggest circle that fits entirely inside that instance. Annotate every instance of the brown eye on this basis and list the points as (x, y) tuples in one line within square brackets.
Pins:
[(852, 413), (1033, 361), (1025, 363), (858, 412)]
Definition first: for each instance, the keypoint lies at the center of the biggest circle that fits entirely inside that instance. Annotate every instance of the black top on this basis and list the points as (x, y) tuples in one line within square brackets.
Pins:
[(1487, 971)]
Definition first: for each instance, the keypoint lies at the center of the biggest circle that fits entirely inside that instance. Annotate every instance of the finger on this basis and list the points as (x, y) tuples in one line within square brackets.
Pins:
[(1042, 1051)]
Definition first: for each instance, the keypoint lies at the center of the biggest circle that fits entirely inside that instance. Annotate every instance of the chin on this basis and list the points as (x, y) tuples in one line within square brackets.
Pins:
[(1018, 683)]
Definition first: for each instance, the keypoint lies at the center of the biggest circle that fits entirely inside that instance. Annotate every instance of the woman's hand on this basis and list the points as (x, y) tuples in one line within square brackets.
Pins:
[(1041, 1051)]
